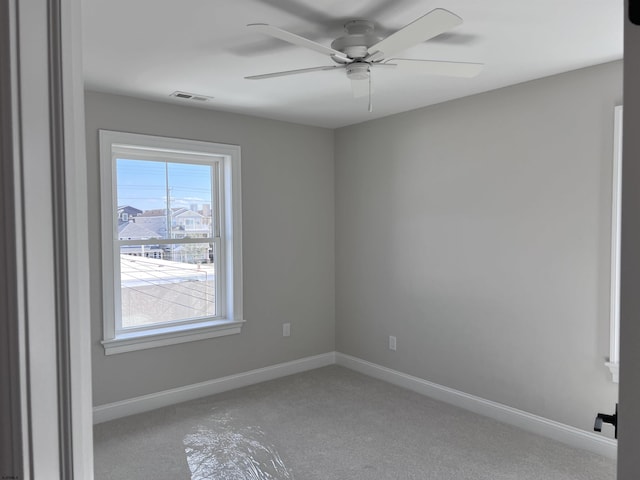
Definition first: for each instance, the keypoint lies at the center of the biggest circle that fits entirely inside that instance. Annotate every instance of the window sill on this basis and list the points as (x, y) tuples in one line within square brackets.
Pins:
[(160, 337), (615, 369)]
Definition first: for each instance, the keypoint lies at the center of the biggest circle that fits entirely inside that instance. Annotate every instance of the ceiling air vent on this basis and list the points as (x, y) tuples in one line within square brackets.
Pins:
[(191, 96)]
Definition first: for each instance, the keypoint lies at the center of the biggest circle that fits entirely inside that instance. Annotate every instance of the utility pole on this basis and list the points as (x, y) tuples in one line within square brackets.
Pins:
[(166, 181)]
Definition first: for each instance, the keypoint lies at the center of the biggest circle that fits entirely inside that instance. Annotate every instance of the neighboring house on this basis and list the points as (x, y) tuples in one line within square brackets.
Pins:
[(126, 213), (189, 223), (185, 222), (134, 231), (154, 222), (191, 253)]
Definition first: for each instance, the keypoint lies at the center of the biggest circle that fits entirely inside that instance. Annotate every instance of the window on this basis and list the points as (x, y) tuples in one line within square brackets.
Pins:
[(172, 267), (616, 202)]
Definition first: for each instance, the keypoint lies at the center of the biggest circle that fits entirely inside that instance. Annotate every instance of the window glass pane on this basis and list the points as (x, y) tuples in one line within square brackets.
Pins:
[(166, 283), (190, 195), (164, 200), (142, 199)]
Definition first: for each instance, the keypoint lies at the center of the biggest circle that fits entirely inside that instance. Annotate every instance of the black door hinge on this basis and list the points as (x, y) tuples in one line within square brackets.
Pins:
[(634, 12), (604, 418)]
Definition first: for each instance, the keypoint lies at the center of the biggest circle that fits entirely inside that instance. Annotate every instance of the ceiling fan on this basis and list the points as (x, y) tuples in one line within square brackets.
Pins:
[(361, 50)]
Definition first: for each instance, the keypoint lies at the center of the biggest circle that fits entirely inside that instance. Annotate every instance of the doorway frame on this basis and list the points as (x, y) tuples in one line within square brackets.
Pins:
[(32, 56), (44, 151)]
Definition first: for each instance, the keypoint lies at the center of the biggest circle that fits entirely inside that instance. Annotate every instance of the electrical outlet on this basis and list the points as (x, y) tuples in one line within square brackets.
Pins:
[(286, 329), (392, 342)]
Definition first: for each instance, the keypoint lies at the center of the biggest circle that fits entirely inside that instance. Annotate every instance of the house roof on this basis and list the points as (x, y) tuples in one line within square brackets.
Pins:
[(156, 224), (128, 207), (135, 231), (186, 212), (157, 212)]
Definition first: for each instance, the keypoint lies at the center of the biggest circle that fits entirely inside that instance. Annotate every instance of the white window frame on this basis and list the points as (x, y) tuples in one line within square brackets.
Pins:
[(616, 203), (229, 317)]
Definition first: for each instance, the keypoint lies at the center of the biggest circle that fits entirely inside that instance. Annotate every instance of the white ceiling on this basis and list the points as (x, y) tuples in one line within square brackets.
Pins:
[(151, 48)]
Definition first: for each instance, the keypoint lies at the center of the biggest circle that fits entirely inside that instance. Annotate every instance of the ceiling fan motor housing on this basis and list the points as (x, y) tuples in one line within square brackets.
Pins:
[(360, 36)]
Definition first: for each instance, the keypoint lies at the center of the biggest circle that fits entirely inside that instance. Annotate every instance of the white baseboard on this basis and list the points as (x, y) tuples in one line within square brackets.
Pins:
[(572, 436), (144, 403), (533, 423)]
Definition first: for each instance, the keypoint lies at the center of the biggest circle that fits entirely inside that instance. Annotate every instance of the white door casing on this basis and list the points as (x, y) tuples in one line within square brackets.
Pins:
[(42, 74)]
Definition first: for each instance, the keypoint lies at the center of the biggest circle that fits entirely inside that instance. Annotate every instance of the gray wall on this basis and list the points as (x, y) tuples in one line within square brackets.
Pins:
[(288, 250), (477, 232)]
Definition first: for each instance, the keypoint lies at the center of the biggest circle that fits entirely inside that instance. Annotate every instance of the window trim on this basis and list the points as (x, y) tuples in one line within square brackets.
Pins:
[(119, 151), (230, 211), (613, 362)]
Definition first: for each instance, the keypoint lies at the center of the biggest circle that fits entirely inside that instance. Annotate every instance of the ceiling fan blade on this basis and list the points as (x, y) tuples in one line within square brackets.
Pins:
[(292, 72), (428, 26), (360, 88), (436, 67), (388, 64), (296, 39)]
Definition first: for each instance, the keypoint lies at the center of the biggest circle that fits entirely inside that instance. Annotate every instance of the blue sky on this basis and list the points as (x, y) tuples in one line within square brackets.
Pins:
[(143, 184)]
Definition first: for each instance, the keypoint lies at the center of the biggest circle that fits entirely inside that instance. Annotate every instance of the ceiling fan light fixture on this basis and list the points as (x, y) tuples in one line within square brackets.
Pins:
[(358, 71)]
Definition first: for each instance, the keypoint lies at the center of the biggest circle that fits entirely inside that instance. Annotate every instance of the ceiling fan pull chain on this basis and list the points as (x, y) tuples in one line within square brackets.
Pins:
[(370, 100)]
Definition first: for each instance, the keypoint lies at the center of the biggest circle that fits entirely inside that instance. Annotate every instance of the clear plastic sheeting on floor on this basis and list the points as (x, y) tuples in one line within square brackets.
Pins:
[(226, 450)]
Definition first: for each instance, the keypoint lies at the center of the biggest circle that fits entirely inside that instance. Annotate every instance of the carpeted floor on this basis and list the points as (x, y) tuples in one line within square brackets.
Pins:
[(326, 424)]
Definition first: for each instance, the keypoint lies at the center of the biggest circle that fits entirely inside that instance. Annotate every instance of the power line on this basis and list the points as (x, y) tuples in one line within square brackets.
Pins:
[(198, 297)]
